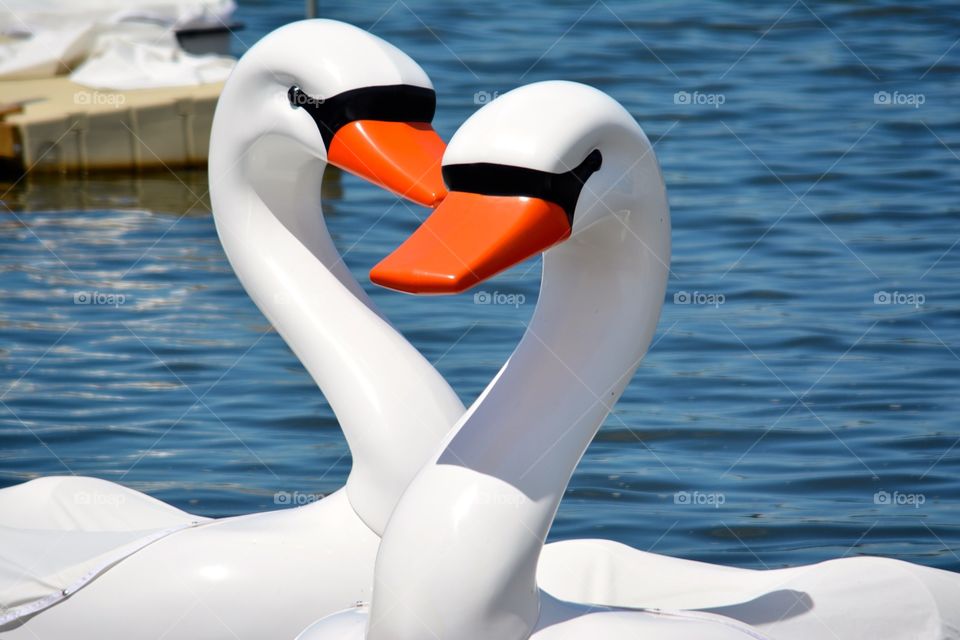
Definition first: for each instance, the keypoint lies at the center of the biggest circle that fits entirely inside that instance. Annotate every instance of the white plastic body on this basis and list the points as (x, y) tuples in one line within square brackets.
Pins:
[(269, 575), (258, 576), (481, 509), (266, 164), (459, 557), (462, 555), (856, 598)]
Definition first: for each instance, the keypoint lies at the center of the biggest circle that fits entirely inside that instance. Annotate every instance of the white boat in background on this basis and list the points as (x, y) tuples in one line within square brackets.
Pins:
[(115, 44), (19, 16), (110, 84)]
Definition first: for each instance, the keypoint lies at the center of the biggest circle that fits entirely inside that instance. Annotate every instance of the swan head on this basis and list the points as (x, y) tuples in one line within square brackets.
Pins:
[(537, 167), (327, 90)]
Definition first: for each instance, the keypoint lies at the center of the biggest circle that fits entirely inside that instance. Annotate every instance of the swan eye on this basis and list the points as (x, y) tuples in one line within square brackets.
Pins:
[(300, 98)]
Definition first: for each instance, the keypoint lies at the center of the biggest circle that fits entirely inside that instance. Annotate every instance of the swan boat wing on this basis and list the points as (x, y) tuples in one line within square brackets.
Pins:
[(72, 529)]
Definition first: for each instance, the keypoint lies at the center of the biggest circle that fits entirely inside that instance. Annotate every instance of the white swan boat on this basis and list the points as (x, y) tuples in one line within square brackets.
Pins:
[(96, 559), (562, 168), (86, 558)]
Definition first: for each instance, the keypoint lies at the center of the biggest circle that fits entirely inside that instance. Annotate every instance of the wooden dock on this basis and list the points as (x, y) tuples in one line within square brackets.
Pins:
[(54, 125)]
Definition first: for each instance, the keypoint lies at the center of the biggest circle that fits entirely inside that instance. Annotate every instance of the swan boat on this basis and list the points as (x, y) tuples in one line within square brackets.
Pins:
[(92, 559), (561, 168), (87, 558), (96, 559)]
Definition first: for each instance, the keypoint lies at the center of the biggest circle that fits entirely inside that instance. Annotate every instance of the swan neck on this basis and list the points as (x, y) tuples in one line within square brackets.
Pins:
[(392, 405), (487, 503)]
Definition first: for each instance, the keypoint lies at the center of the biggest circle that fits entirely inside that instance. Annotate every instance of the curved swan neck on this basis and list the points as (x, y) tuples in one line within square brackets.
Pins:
[(485, 507), (391, 403)]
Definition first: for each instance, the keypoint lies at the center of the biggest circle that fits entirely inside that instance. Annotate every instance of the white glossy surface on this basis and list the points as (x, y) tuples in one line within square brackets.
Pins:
[(268, 575), (856, 597), (483, 508), (57, 534), (566, 621), (264, 575), (344, 625), (266, 164), (460, 555)]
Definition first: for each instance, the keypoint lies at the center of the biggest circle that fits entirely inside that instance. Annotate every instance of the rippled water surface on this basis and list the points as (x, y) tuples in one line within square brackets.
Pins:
[(784, 414)]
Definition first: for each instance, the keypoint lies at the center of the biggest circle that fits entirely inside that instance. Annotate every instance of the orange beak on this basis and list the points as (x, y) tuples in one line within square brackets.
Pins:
[(401, 157), (470, 238)]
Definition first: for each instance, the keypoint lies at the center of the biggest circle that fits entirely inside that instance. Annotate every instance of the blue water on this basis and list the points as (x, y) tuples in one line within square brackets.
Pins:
[(781, 417)]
